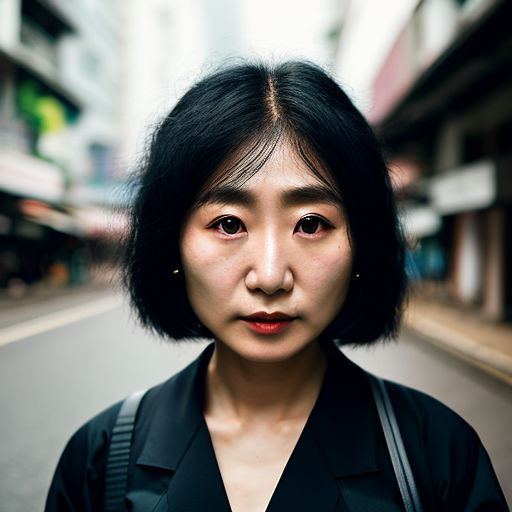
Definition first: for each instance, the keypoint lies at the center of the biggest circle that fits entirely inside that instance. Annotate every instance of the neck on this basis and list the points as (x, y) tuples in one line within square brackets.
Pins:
[(250, 391)]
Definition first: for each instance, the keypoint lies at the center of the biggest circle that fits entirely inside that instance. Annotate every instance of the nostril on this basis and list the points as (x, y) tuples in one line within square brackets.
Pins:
[(288, 281), (269, 283)]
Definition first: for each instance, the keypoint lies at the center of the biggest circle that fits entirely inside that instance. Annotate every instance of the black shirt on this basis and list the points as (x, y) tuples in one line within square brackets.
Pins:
[(340, 462)]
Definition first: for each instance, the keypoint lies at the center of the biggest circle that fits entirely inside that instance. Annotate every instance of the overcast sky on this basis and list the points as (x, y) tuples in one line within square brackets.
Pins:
[(283, 29), (172, 43)]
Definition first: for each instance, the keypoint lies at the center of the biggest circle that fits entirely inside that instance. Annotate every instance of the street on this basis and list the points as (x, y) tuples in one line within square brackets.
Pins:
[(53, 381)]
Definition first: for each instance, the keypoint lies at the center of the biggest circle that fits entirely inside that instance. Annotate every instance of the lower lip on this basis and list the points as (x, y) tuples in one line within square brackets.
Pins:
[(268, 327)]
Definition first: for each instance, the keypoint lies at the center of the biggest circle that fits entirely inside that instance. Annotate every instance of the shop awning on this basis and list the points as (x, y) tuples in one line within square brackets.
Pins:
[(31, 177)]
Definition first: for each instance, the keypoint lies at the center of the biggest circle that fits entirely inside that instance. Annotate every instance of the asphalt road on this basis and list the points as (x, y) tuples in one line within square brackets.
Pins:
[(65, 360)]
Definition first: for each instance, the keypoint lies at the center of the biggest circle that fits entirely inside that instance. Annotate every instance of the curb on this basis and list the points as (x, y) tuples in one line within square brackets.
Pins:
[(490, 360)]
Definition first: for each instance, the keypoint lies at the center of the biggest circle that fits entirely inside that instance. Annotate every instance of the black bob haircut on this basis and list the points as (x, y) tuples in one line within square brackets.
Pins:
[(243, 112)]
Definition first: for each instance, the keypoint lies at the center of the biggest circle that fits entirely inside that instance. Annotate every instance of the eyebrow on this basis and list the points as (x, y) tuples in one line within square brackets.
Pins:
[(311, 194), (226, 194), (294, 197)]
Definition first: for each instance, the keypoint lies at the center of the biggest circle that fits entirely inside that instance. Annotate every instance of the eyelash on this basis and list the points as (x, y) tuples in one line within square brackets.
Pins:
[(217, 223), (323, 223)]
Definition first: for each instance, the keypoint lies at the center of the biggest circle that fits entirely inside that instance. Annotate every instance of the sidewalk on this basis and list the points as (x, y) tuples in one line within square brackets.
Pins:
[(103, 279), (464, 334), (41, 300)]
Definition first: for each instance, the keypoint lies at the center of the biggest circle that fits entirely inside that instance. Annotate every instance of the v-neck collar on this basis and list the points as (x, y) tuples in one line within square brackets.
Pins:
[(197, 484), (177, 416), (338, 440), (306, 483), (344, 419)]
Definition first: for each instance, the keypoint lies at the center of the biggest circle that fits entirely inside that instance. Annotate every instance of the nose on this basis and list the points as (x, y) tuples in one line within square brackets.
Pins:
[(269, 270)]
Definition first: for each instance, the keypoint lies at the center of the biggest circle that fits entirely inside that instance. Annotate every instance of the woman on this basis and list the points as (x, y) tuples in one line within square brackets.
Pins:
[(265, 221)]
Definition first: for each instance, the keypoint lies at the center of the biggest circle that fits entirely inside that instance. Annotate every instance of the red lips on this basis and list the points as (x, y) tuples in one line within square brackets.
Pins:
[(268, 323)]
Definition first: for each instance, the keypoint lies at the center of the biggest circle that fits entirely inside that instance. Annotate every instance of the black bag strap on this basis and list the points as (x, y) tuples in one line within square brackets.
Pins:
[(396, 448), (118, 458)]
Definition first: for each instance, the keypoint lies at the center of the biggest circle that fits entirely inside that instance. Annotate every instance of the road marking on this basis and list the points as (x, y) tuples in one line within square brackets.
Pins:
[(53, 320)]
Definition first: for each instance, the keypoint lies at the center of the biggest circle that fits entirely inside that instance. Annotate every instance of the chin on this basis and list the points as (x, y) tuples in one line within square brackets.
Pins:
[(270, 351)]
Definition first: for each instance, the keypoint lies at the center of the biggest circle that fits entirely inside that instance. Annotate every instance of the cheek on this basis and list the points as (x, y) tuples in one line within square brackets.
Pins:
[(208, 272), (329, 274)]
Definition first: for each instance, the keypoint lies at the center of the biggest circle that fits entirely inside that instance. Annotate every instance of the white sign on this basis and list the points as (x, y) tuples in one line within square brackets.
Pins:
[(471, 187), (419, 221)]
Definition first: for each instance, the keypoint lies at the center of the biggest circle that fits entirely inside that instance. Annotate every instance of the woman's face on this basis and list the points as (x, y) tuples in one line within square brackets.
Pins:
[(267, 265)]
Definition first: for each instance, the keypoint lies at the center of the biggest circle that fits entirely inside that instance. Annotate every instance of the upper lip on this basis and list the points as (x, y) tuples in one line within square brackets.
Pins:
[(262, 316)]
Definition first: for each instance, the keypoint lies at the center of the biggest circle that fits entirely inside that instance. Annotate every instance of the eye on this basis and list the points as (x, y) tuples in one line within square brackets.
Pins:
[(311, 225), (228, 225)]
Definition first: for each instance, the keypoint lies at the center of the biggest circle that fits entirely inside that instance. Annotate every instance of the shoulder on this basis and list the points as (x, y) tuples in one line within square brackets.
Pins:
[(89, 444), (75, 484), (429, 415), (434, 432), (445, 451), (93, 436), (79, 477)]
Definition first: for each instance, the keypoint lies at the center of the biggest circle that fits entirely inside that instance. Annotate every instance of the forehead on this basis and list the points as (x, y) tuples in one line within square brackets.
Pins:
[(284, 166)]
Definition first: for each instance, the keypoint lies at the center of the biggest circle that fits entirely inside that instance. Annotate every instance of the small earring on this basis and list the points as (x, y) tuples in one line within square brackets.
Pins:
[(176, 271), (358, 276)]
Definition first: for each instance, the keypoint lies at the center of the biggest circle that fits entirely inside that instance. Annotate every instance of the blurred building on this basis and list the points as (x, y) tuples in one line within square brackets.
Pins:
[(164, 44), (59, 82), (443, 108)]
